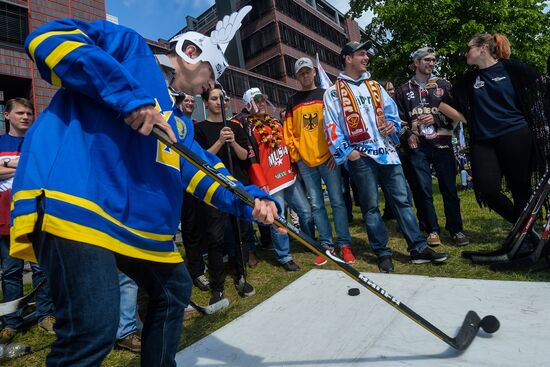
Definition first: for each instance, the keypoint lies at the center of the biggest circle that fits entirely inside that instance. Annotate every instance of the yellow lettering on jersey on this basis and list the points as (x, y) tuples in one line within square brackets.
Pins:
[(165, 155)]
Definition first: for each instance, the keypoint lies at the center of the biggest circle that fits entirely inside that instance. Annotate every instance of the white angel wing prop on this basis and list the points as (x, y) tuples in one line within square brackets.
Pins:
[(227, 27)]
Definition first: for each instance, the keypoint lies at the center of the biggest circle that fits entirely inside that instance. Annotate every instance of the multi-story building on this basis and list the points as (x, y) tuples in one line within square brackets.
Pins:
[(274, 35), (18, 76)]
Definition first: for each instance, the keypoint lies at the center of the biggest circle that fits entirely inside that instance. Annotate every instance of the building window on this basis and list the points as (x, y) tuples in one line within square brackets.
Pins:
[(272, 68), (300, 42), (14, 26), (259, 8), (314, 23), (259, 41), (237, 83)]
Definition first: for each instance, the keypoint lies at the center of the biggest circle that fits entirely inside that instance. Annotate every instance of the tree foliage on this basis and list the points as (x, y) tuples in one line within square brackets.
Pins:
[(401, 26)]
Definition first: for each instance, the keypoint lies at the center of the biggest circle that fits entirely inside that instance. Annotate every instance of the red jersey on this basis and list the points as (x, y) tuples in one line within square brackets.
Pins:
[(275, 168)]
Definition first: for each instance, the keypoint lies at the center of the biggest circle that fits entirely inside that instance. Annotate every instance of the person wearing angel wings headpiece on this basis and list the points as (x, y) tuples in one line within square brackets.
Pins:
[(91, 195)]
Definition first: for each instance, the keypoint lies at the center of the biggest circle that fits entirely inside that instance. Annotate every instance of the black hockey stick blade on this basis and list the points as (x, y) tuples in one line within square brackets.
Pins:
[(315, 247), (524, 223), (495, 253), (12, 306), (470, 327), (520, 263), (467, 332), (210, 309)]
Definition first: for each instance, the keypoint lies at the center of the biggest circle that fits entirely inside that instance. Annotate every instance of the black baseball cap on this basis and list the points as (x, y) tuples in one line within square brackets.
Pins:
[(352, 47)]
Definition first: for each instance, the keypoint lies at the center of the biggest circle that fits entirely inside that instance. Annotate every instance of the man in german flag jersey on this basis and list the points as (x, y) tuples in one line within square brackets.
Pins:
[(305, 138), (92, 195), (360, 118)]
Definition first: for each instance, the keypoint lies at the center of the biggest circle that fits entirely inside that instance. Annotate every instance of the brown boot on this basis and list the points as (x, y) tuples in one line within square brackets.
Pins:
[(7, 334), (47, 324), (132, 343)]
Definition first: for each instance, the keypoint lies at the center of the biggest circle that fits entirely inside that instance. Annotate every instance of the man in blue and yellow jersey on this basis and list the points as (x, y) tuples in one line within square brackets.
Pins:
[(92, 195)]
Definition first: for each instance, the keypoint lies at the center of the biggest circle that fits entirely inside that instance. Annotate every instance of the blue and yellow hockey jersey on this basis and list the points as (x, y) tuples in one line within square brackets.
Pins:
[(103, 183)]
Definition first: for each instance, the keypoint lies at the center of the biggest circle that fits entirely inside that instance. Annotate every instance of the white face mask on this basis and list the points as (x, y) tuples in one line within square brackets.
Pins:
[(213, 47)]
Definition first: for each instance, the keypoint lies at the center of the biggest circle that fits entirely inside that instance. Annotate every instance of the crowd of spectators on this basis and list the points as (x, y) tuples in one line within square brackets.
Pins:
[(357, 133)]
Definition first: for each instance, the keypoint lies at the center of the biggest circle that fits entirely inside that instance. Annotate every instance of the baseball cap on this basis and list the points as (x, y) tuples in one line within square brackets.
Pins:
[(422, 52), (302, 62), (353, 46), (213, 47), (253, 94)]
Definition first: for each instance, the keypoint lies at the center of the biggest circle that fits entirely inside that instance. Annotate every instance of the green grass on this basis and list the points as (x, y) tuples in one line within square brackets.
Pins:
[(483, 227)]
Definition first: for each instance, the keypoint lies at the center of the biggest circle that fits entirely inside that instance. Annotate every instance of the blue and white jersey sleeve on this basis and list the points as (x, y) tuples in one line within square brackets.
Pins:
[(92, 59), (337, 140)]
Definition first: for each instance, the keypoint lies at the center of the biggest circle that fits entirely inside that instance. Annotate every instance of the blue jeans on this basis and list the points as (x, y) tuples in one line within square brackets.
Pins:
[(367, 174), (127, 323), (86, 294), (312, 181), (296, 198), (12, 285), (444, 163)]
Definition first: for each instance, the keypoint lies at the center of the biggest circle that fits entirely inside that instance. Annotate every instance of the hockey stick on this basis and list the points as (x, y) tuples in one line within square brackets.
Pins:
[(12, 306), (524, 224), (526, 261), (210, 309), (234, 220), (471, 323)]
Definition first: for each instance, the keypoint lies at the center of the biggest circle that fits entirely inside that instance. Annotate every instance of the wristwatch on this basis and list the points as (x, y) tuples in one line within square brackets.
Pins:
[(6, 161)]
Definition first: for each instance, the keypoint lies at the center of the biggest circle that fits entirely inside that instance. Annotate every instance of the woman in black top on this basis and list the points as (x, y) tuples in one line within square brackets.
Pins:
[(501, 102)]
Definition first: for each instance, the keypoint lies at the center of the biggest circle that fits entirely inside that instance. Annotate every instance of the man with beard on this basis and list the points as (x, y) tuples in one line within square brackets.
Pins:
[(430, 141)]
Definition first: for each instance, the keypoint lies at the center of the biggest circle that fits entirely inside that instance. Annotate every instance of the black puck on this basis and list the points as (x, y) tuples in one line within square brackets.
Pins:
[(353, 292)]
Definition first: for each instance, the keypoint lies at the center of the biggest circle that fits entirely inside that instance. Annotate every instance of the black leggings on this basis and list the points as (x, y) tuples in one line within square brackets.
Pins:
[(510, 156)]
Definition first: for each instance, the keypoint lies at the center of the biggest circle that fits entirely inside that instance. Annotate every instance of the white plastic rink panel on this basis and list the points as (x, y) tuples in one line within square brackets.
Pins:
[(313, 322)]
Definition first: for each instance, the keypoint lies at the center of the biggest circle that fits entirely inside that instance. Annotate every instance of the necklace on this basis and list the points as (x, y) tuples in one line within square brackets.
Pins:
[(272, 137)]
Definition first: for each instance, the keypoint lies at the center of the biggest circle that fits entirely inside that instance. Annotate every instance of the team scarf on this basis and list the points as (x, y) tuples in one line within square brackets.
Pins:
[(355, 125)]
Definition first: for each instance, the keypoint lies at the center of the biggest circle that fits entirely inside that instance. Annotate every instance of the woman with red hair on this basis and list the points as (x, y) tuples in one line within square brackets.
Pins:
[(502, 102)]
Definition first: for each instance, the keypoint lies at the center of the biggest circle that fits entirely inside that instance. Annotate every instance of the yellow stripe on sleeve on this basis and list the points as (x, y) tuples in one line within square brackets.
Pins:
[(39, 39), (58, 54), (197, 177), (210, 193)]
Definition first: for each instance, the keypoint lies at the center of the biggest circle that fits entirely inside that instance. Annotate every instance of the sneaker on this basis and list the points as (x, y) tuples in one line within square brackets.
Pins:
[(47, 324), (131, 343), (385, 265), (460, 239), (290, 266), (319, 260), (7, 334), (202, 282), (216, 297), (428, 256), (189, 310), (244, 288), (347, 255), (433, 239)]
